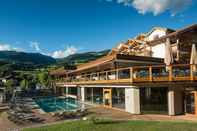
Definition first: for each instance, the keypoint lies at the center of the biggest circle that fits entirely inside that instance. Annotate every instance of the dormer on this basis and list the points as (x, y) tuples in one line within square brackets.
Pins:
[(157, 32)]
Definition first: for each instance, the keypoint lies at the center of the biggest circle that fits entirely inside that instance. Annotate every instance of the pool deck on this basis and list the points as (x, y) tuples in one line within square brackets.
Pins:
[(102, 112), (99, 112)]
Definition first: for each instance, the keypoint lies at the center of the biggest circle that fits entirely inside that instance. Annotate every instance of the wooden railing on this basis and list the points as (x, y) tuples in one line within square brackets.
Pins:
[(158, 73)]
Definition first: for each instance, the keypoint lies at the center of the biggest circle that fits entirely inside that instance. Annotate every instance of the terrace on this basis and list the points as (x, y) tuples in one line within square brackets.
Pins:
[(136, 74)]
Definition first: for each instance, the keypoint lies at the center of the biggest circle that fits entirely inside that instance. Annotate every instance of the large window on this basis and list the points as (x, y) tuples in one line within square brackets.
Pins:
[(98, 95), (94, 95), (72, 91), (88, 94), (154, 100), (118, 98)]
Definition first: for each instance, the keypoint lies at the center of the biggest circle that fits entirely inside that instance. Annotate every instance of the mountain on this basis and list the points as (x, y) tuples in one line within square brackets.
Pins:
[(27, 61), (22, 58), (81, 57)]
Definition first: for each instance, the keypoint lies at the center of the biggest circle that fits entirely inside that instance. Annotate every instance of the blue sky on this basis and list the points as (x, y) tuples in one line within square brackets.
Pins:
[(62, 27)]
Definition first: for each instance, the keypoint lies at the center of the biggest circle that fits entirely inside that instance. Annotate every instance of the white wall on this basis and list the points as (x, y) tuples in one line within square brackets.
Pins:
[(132, 100), (156, 33), (158, 50)]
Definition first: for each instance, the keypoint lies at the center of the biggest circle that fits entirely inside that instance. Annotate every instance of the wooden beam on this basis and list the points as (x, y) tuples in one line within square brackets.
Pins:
[(191, 72), (170, 72), (98, 75), (131, 74), (195, 101), (150, 74)]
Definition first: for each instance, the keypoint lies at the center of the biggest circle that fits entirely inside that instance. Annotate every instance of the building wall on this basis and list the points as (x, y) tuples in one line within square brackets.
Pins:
[(158, 50), (175, 101), (132, 100), (178, 102), (157, 33)]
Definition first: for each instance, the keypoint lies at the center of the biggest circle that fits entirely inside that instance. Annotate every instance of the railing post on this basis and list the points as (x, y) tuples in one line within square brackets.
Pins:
[(150, 74), (131, 74), (191, 72), (106, 75), (117, 74), (170, 72), (98, 76), (90, 77)]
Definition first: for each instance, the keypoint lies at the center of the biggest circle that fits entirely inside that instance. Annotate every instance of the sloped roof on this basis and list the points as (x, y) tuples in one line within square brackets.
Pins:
[(159, 28), (96, 62), (58, 72), (176, 33)]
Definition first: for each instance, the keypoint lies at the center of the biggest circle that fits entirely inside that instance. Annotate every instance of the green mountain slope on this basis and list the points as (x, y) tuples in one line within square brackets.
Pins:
[(35, 59), (82, 57), (27, 61)]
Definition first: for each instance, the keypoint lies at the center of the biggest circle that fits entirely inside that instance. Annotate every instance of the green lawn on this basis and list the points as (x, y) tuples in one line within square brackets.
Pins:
[(119, 126)]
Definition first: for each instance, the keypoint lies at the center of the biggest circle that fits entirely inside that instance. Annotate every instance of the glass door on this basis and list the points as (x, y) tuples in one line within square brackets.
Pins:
[(107, 97), (190, 103)]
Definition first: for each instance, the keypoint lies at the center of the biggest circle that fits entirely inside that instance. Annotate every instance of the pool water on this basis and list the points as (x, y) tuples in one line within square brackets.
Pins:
[(54, 104)]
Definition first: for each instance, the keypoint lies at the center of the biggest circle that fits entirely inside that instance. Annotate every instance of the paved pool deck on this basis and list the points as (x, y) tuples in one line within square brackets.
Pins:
[(102, 112), (99, 112)]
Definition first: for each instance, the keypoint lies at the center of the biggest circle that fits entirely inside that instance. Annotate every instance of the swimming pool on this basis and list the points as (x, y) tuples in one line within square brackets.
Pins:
[(54, 104)]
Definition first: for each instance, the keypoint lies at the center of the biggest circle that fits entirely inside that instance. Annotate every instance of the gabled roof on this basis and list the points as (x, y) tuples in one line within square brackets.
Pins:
[(176, 33), (159, 28)]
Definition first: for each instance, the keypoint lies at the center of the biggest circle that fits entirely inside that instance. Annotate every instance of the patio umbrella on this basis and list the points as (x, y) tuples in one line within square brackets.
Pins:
[(193, 58), (168, 53)]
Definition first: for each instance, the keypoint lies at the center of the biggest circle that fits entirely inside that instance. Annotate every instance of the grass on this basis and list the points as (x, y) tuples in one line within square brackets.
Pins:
[(119, 126), (0, 113)]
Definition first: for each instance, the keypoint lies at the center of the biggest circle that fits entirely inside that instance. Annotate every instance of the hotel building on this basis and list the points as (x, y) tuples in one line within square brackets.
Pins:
[(154, 72)]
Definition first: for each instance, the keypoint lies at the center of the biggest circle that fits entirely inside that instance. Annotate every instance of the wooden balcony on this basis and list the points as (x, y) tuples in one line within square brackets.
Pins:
[(139, 74)]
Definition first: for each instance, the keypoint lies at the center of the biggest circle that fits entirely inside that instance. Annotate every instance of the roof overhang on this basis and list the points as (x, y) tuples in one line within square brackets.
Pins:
[(175, 34)]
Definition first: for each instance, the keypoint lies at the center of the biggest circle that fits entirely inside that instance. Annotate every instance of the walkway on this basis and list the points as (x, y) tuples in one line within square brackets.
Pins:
[(5, 124), (120, 115)]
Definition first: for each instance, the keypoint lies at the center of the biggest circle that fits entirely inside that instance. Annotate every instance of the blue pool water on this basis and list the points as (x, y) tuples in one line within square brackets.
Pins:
[(54, 104)]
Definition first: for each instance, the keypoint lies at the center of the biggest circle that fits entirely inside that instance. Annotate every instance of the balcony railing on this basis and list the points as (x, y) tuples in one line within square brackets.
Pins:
[(158, 73)]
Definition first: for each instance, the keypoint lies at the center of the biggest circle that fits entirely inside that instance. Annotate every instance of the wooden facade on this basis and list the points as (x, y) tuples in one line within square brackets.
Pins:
[(132, 64)]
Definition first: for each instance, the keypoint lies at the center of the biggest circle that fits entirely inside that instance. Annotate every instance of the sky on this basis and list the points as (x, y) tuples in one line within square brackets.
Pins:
[(59, 28)]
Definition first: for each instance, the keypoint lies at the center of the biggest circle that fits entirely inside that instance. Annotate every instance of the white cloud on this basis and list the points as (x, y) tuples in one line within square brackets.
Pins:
[(35, 45), (64, 53), (7, 47), (156, 6)]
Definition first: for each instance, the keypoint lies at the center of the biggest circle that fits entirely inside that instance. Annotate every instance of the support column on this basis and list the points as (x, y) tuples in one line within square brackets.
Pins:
[(82, 98), (79, 93), (132, 100), (171, 110), (92, 95), (175, 101), (62, 91), (66, 90), (82, 94), (195, 101)]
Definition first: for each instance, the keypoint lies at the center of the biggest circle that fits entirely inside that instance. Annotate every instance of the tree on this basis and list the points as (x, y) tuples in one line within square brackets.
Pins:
[(45, 79), (24, 84), (42, 77), (10, 85)]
